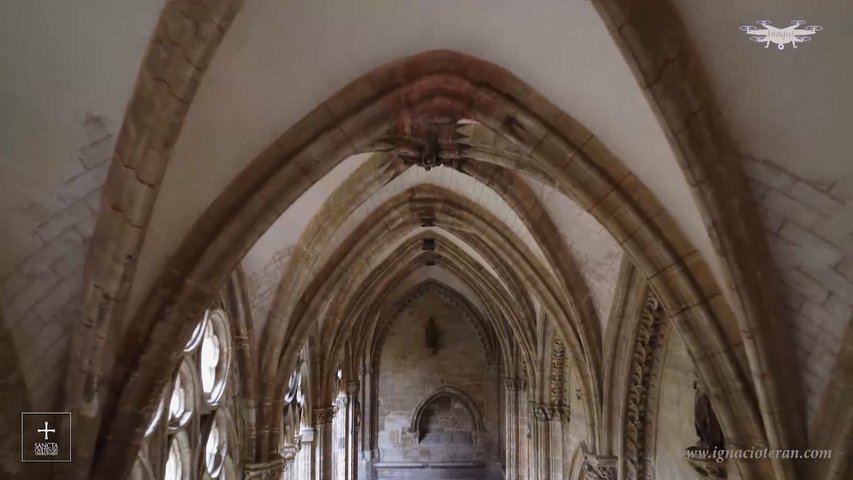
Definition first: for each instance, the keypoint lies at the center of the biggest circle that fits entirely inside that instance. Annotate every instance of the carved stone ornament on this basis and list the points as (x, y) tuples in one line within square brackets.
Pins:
[(353, 387), (428, 146), (639, 416), (540, 412), (263, 471), (324, 415), (599, 468), (288, 452), (512, 384), (563, 413), (558, 373)]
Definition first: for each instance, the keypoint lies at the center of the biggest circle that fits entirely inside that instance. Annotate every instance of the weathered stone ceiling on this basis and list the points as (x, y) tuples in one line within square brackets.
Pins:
[(790, 113), (595, 251), (62, 99), (285, 232), (267, 75), (64, 90)]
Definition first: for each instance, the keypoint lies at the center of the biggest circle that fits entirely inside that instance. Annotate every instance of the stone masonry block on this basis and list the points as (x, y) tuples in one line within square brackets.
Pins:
[(795, 211), (831, 280), (771, 220), (26, 299), (98, 152), (61, 295), (63, 220), (805, 285), (51, 252), (83, 184), (768, 174), (814, 198)]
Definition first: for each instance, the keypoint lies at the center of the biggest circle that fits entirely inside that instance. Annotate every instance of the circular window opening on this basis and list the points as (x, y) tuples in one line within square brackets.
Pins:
[(181, 403), (177, 464), (215, 449), (195, 339), (215, 356)]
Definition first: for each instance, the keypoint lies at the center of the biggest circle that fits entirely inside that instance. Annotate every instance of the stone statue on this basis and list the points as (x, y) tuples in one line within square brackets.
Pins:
[(707, 427), (431, 336), (710, 438)]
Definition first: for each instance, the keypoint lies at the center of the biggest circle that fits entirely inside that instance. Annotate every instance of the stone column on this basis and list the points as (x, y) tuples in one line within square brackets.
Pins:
[(288, 454), (540, 442), (511, 389), (366, 424), (353, 387), (340, 434), (323, 442), (305, 458), (523, 439), (559, 449)]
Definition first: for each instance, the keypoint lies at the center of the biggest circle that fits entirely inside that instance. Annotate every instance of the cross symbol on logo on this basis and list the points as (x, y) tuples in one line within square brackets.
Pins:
[(46, 430)]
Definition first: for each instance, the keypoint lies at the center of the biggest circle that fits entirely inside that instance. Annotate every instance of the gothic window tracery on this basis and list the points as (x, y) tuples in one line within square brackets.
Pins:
[(191, 435), (215, 450)]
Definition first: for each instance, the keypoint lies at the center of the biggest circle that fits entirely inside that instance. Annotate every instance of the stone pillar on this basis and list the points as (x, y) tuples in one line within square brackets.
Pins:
[(353, 387), (305, 458), (288, 455), (366, 424), (523, 442), (540, 442), (560, 451), (492, 417), (511, 389), (263, 471), (340, 433), (323, 442)]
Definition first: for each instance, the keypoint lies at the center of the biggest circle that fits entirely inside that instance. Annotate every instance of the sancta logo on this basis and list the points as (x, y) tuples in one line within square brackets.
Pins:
[(792, 34), (46, 436)]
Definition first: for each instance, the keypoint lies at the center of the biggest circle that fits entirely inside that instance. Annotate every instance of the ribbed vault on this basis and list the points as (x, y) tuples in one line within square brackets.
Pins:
[(596, 198), (412, 109)]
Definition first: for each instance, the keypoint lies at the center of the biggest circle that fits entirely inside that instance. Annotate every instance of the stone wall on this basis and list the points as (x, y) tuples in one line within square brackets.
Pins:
[(675, 429), (448, 444)]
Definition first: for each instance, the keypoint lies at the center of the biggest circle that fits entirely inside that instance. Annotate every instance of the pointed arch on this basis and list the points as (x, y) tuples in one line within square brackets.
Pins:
[(558, 151), (453, 393)]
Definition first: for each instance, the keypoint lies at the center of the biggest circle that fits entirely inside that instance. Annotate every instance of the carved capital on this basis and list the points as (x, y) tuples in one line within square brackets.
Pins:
[(324, 415), (562, 413), (599, 467), (263, 471), (540, 412), (353, 387), (546, 413), (512, 384), (288, 453)]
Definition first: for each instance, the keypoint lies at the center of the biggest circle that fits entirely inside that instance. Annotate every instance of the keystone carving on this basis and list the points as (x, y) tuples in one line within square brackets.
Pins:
[(427, 145)]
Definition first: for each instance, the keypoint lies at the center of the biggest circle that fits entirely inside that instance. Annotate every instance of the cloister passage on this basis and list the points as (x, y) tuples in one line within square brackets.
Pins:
[(388, 240)]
